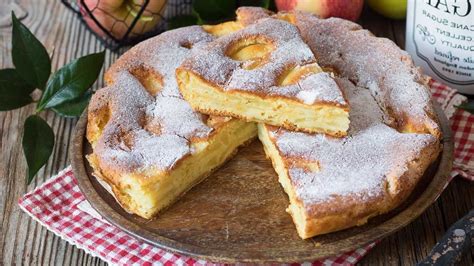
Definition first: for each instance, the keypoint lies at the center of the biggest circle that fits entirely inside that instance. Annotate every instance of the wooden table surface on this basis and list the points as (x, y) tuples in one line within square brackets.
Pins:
[(24, 241)]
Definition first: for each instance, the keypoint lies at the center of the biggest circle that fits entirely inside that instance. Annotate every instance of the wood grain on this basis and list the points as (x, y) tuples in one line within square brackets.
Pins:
[(23, 241)]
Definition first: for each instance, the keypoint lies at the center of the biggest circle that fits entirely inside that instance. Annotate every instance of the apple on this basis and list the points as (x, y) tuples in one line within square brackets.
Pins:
[(348, 9), (116, 16), (396, 9)]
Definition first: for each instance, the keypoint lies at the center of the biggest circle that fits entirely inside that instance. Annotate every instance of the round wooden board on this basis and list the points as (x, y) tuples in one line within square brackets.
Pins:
[(238, 213)]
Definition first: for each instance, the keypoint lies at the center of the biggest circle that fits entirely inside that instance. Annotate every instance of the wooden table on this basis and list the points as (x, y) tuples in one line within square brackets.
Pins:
[(24, 241)]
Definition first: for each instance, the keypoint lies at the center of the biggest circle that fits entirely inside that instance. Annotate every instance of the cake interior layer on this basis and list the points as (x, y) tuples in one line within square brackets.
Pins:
[(146, 196), (277, 111), (294, 209)]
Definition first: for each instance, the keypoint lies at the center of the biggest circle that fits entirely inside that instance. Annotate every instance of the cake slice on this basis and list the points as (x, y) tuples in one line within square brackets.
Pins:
[(149, 145), (336, 183), (265, 73)]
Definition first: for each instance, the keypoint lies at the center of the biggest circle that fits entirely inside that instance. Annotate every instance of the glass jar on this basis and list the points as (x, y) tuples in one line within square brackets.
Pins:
[(440, 38)]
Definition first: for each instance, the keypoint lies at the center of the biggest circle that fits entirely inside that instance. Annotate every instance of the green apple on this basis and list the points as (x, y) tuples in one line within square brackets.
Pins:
[(396, 9)]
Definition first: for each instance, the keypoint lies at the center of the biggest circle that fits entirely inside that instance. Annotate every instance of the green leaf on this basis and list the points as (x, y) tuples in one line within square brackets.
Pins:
[(72, 80), (469, 107), (212, 10), (199, 19), (73, 108), (38, 143), (29, 56), (260, 3), (14, 92), (265, 3), (182, 21)]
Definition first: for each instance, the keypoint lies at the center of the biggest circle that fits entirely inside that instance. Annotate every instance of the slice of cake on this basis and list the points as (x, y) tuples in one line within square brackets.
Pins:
[(336, 183), (149, 146), (265, 73)]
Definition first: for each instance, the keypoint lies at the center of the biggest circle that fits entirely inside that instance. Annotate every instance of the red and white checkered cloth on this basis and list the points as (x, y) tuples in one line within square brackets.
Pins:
[(60, 206), (462, 125)]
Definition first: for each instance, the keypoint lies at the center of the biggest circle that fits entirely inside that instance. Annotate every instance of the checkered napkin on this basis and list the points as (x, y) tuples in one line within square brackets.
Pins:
[(60, 206), (462, 125)]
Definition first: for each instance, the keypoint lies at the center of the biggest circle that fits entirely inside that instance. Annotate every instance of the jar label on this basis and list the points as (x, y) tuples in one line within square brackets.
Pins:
[(443, 34)]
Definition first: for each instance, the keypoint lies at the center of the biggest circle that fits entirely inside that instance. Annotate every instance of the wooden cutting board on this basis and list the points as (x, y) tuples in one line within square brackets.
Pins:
[(238, 213)]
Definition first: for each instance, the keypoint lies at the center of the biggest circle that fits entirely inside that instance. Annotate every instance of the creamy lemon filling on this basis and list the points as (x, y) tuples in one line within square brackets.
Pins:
[(275, 111), (146, 196)]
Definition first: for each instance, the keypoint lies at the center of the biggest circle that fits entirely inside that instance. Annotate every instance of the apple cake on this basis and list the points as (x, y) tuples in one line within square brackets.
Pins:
[(149, 146), (265, 73), (296, 75)]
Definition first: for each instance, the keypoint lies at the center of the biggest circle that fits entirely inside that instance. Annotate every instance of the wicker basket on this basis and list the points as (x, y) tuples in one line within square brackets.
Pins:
[(128, 20)]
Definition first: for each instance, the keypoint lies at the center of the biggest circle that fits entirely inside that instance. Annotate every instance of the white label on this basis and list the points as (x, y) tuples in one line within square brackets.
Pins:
[(443, 34)]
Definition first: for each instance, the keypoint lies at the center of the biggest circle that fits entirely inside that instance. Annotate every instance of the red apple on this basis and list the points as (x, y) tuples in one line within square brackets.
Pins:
[(348, 9), (116, 16)]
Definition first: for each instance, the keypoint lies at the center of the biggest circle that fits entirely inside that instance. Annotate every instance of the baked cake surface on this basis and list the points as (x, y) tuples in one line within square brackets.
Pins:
[(265, 72), (394, 134), (370, 62), (149, 145), (336, 183), (377, 64)]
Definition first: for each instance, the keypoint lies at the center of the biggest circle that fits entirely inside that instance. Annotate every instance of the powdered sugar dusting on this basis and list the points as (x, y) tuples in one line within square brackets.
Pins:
[(372, 62), (320, 87), (356, 165), (177, 118), (214, 65), (148, 151), (145, 131), (249, 14)]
